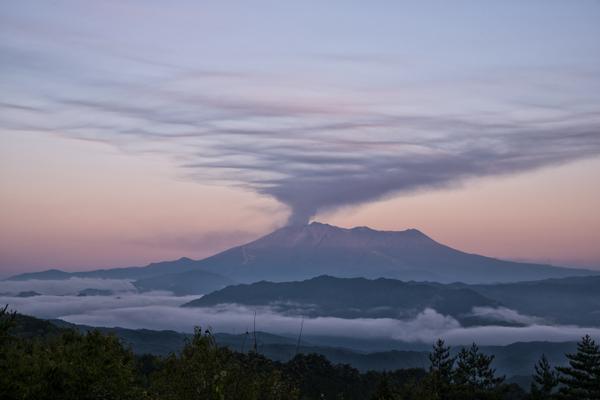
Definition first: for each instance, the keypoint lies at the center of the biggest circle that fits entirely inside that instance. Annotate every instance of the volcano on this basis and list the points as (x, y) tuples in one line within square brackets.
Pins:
[(306, 251), (301, 252)]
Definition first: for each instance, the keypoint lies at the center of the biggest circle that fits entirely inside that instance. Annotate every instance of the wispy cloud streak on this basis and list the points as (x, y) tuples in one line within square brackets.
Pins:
[(311, 142)]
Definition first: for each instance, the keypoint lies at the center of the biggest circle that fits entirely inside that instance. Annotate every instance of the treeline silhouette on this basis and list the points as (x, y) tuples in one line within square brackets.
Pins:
[(40, 361)]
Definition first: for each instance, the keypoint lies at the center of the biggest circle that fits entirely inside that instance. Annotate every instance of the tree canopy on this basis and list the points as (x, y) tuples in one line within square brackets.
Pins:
[(40, 361)]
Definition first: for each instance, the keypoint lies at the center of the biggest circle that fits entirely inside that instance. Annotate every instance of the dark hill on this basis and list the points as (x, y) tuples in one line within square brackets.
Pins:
[(351, 298)]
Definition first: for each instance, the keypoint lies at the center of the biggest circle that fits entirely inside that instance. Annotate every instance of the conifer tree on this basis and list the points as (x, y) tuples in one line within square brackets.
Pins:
[(440, 360), (384, 391), (545, 380), (581, 379), (440, 370), (474, 371), (7, 319)]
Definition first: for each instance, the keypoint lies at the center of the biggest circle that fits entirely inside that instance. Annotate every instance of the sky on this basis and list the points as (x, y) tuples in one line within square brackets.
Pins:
[(137, 131)]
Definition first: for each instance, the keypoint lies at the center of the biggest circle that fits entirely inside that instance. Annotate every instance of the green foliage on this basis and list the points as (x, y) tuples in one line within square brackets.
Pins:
[(467, 376), (474, 371), (317, 378), (37, 361), (70, 366), (545, 380), (581, 379), (206, 371), (385, 391), (440, 376), (7, 321)]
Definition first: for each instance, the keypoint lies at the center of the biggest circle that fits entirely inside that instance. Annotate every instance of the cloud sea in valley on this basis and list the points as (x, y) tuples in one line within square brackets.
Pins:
[(161, 311)]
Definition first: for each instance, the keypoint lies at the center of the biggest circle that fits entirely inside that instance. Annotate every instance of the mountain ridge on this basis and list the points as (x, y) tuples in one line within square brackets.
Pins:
[(327, 296), (301, 252), (571, 301), (513, 359)]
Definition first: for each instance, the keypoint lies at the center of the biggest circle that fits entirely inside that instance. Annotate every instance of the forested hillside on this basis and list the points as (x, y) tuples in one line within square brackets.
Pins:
[(41, 361)]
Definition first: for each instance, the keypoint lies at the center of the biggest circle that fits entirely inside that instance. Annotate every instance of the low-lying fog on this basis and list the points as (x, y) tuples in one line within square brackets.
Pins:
[(161, 310)]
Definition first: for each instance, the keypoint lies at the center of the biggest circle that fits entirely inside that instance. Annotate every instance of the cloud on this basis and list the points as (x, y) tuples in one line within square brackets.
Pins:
[(236, 318), (505, 314), (65, 286), (161, 311), (47, 306), (425, 327), (317, 147), (503, 335), (289, 151)]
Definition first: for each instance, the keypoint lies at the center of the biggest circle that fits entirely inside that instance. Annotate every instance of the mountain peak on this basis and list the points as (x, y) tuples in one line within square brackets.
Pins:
[(321, 225), (321, 235), (315, 225)]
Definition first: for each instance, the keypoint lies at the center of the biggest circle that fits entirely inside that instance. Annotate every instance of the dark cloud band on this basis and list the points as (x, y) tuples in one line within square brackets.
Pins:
[(312, 155)]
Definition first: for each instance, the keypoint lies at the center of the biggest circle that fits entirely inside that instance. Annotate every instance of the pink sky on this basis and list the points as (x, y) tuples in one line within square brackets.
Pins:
[(80, 205), (133, 132)]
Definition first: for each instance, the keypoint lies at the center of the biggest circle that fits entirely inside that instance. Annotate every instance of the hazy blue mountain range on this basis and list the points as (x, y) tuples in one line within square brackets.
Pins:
[(183, 283), (574, 300), (516, 359), (564, 301), (50, 274), (301, 252), (154, 269), (25, 293), (352, 298), (28, 293), (95, 292), (181, 277), (141, 341)]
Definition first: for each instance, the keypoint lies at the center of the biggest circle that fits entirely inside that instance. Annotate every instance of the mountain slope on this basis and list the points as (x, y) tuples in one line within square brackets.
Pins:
[(300, 252), (574, 300), (326, 296), (151, 270), (567, 301), (184, 283), (514, 359)]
